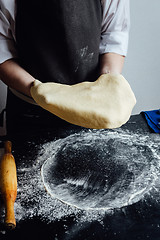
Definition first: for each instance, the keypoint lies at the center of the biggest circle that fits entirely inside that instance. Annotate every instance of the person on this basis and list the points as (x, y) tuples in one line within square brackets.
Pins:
[(63, 41)]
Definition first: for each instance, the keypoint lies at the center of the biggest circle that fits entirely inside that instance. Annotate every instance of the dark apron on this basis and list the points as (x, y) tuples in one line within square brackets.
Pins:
[(58, 41)]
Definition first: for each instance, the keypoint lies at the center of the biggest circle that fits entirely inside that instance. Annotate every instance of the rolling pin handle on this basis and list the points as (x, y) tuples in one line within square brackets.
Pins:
[(10, 222)]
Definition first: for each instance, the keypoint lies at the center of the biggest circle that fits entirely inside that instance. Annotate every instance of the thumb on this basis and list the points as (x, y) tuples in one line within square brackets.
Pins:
[(34, 88), (36, 83)]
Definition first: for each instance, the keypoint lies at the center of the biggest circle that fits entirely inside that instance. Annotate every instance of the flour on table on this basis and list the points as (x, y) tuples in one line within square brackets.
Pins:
[(136, 176), (99, 170)]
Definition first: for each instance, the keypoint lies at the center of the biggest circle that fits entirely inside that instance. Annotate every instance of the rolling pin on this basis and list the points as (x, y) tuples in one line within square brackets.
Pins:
[(8, 184)]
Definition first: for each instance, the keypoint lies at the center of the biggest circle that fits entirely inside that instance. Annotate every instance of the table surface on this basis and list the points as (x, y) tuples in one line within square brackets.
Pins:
[(35, 219)]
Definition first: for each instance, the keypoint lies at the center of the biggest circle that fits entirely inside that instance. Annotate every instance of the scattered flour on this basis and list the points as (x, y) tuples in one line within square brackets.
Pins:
[(33, 199), (95, 170)]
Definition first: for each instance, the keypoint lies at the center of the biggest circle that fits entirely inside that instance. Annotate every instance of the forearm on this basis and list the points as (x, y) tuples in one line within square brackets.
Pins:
[(13, 75), (111, 63)]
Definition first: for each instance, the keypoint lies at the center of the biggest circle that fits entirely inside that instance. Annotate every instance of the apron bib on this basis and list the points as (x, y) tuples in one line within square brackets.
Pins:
[(57, 41)]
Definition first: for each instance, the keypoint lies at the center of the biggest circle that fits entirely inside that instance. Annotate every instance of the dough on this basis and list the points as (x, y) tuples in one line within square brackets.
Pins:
[(105, 103), (99, 170)]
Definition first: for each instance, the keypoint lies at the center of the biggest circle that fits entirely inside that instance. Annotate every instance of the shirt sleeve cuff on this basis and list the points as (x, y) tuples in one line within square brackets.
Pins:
[(114, 42), (7, 50)]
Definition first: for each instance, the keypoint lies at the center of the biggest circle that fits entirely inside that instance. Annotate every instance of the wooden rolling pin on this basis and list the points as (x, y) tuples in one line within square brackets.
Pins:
[(8, 184)]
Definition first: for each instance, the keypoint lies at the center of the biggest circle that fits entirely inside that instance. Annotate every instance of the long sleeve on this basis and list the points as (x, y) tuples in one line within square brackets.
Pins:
[(115, 26), (7, 30)]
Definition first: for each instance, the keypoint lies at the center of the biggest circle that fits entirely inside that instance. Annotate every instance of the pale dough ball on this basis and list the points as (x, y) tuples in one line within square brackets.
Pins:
[(105, 103)]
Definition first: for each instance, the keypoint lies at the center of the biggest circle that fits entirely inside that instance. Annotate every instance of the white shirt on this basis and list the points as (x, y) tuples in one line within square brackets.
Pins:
[(114, 29)]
